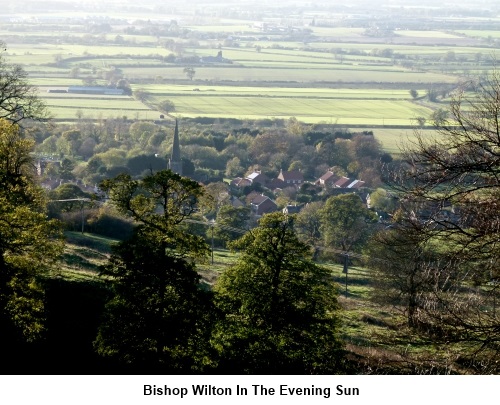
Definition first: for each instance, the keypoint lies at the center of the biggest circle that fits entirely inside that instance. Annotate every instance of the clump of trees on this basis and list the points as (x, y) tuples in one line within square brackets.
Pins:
[(274, 311)]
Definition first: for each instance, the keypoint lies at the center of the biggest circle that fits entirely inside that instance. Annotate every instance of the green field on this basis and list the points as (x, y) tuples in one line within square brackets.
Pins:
[(480, 34), (335, 74), (376, 334), (282, 91), (343, 106), (425, 34), (344, 112)]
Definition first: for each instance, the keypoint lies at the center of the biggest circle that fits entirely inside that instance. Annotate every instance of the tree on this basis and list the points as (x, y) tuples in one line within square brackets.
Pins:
[(449, 57), (18, 99), (308, 223), (451, 183), (414, 93), (432, 94), (216, 195), (280, 308), (160, 202), (69, 191), (156, 319), (158, 316), (166, 106), (141, 163), (439, 117), (141, 95), (405, 273), (230, 220), (189, 72), (89, 81), (75, 72), (124, 85), (233, 167), (140, 131), (29, 243), (421, 121), (382, 200), (345, 222), (86, 149), (73, 141), (66, 169)]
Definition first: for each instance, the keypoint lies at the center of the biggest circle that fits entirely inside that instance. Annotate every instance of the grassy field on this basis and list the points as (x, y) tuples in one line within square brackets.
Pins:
[(343, 112), (375, 335), (83, 254), (480, 34), (347, 106), (393, 139), (338, 75), (275, 91)]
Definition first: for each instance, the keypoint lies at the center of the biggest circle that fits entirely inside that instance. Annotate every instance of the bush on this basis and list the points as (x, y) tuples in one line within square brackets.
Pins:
[(105, 222)]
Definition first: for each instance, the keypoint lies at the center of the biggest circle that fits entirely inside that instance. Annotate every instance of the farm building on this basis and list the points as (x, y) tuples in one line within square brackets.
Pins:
[(95, 90)]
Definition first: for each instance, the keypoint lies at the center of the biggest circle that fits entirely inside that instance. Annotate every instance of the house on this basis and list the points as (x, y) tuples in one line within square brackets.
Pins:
[(250, 196), (276, 184), (240, 182), (356, 184), (291, 178), (262, 204), (236, 202), (327, 180), (343, 182), (257, 177)]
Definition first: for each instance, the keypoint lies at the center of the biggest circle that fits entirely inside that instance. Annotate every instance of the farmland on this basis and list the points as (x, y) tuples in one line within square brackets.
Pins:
[(328, 72), (328, 93)]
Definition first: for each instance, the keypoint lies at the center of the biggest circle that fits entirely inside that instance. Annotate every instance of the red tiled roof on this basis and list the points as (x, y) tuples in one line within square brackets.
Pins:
[(259, 199), (292, 175), (343, 182)]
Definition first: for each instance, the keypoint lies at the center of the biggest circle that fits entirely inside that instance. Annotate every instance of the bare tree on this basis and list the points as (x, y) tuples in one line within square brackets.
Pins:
[(450, 193), (18, 99)]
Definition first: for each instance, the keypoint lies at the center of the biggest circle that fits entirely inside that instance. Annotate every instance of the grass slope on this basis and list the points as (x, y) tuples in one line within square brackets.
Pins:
[(376, 337)]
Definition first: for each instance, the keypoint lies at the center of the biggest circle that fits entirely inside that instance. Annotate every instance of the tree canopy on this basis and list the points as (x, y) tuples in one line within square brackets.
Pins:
[(345, 222), (157, 316), (28, 241), (160, 202), (280, 308)]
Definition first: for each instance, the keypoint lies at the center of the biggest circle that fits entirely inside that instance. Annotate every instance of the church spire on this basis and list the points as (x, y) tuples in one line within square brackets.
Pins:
[(175, 162)]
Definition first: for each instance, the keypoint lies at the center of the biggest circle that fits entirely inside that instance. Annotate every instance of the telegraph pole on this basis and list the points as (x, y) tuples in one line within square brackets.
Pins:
[(82, 201), (346, 264), (212, 223)]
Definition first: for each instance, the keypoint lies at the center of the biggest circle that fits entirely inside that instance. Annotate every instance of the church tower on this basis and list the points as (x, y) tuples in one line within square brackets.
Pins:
[(175, 162)]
